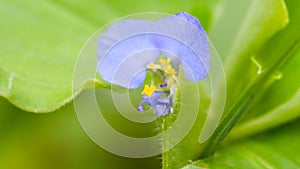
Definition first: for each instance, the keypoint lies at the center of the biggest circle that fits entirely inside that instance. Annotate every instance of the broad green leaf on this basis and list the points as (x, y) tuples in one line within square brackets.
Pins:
[(228, 18), (274, 106), (241, 25), (287, 45), (244, 82), (263, 20), (281, 114), (40, 42), (278, 148)]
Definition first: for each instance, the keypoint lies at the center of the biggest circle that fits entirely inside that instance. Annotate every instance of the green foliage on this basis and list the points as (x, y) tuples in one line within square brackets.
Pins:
[(279, 148), (258, 41)]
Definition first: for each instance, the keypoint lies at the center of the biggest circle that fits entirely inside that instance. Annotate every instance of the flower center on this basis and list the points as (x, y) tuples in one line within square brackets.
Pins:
[(160, 98)]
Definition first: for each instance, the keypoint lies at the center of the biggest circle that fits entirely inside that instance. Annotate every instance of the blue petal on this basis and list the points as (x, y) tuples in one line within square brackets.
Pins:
[(160, 105), (125, 50), (161, 109), (189, 42), (128, 46), (141, 108), (193, 20), (154, 97)]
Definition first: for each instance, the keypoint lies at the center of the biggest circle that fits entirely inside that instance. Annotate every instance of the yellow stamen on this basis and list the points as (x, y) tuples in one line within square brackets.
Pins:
[(153, 66), (148, 90), (165, 62), (170, 71)]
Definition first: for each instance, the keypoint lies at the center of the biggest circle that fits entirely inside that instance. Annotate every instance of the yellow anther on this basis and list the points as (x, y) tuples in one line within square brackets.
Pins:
[(153, 67), (170, 71), (148, 90), (165, 61)]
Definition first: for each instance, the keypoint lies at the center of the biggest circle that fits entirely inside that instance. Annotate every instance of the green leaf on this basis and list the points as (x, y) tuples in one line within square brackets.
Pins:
[(245, 85), (281, 114), (228, 18), (279, 148), (40, 42), (38, 51), (263, 20), (287, 43), (274, 107)]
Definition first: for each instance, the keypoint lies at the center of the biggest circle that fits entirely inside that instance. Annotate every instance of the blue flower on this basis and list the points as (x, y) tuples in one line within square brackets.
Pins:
[(161, 106), (129, 48)]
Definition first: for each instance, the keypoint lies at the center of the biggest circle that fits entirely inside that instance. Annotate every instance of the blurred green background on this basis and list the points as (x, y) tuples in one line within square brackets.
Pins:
[(40, 41), (54, 141)]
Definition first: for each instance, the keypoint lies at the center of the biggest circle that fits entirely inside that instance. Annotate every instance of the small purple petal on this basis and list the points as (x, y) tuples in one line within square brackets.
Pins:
[(146, 99), (162, 110), (163, 101), (141, 108), (161, 106), (153, 98)]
